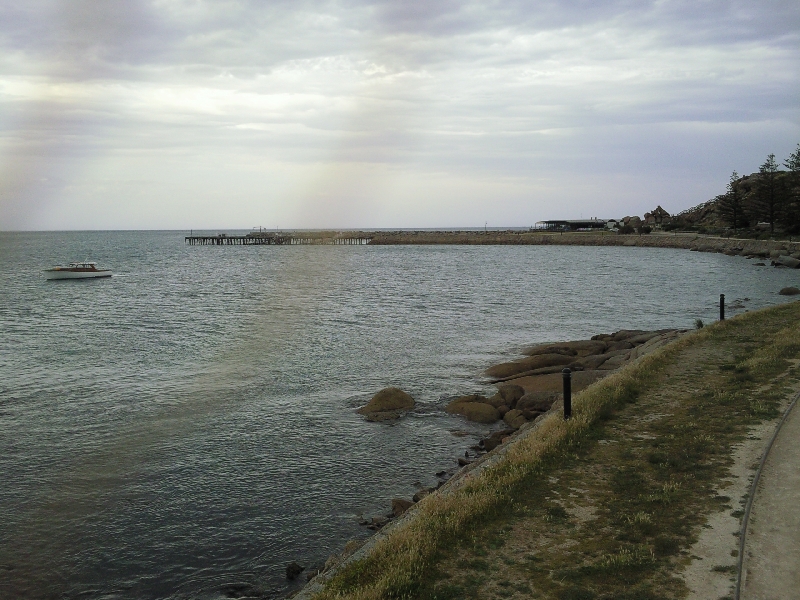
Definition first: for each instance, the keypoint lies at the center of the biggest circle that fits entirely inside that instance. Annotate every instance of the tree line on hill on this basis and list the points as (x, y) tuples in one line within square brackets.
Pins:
[(771, 196)]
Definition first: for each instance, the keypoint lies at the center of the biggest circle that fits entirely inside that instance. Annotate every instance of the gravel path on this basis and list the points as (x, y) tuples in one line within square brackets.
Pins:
[(772, 552)]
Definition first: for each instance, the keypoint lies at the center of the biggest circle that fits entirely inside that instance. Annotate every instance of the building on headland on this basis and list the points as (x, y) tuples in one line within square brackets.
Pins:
[(572, 225)]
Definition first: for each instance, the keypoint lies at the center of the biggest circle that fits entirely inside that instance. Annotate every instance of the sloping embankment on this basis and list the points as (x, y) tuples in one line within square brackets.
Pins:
[(609, 503)]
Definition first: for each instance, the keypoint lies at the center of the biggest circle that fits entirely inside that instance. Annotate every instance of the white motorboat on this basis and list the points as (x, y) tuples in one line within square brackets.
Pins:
[(77, 270)]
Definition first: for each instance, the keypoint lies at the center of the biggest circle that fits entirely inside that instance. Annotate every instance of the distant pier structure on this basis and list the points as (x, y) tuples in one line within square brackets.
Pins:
[(263, 238)]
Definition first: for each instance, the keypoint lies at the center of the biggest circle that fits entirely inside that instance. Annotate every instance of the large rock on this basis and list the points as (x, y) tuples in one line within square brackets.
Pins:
[(789, 291), (399, 506), (510, 393), (528, 364), (788, 261), (497, 401), (548, 349), (642, 338), (576, 348), (537, 401), (624, 334), (623, 345), (389, 403), (555, 382), (515, 419), (477, 412), (593, 362)]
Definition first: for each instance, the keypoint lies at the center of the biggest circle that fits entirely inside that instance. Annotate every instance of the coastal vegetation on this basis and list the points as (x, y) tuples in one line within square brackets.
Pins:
[(770, 197), (608, 503)]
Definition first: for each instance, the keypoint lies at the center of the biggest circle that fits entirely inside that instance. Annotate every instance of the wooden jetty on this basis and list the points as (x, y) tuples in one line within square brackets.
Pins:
[(263, 238)]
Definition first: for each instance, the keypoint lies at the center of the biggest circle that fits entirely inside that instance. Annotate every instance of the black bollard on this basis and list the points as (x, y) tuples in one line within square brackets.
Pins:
[(567, 374), (722, 307)]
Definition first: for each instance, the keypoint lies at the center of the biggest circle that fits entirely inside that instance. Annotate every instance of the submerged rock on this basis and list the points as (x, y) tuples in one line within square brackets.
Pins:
[(789, 291)]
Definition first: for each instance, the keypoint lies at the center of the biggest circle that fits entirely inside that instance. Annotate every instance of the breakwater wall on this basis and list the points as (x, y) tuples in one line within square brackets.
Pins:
[(690, 241)]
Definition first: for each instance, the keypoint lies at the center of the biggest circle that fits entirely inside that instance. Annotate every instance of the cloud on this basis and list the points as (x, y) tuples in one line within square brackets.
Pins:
[(324, 102)]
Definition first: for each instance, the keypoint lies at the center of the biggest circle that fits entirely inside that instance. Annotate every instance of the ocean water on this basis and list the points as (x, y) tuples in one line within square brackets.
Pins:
[(186, 428)]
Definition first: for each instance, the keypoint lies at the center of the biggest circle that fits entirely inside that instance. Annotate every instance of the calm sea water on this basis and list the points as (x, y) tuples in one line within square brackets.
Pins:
[(187, 427)]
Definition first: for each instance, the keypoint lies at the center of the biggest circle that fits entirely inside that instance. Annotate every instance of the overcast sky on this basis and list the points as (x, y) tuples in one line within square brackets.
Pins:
[(178, 114)]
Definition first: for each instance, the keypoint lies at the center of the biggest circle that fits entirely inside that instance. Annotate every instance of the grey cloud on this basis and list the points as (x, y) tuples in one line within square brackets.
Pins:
[(505, 88)]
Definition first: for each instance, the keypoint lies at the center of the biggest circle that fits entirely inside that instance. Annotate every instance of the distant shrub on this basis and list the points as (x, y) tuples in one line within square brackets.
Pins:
[(645, 229), (670, 226), (626, 229)]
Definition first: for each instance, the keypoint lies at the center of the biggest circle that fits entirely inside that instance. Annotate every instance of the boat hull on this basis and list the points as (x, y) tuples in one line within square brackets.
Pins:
[(65, 274)]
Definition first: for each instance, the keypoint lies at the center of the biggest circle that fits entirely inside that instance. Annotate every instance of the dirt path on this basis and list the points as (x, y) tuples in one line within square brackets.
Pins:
[(772, 551)]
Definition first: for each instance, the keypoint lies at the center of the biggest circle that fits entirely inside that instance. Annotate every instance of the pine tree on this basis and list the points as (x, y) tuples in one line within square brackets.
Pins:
[(792, 209), (768, 199), (730, 205)]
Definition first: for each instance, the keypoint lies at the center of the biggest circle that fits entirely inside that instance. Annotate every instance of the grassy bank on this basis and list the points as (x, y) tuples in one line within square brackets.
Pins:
[(604, 505)]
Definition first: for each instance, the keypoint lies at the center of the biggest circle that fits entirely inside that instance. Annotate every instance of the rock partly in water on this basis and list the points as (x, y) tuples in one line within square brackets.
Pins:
[(423, 493), (494, 440), (400, 505), (472, 398), (293, 571), (389, 403), (478, 412), (789, 291)]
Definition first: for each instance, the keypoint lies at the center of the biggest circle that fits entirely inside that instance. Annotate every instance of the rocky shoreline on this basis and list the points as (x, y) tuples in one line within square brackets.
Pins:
[(687, 241), (527, 389)]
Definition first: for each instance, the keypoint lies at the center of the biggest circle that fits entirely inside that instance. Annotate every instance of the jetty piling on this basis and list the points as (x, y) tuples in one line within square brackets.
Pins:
[(722, 307), (567, 375)]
